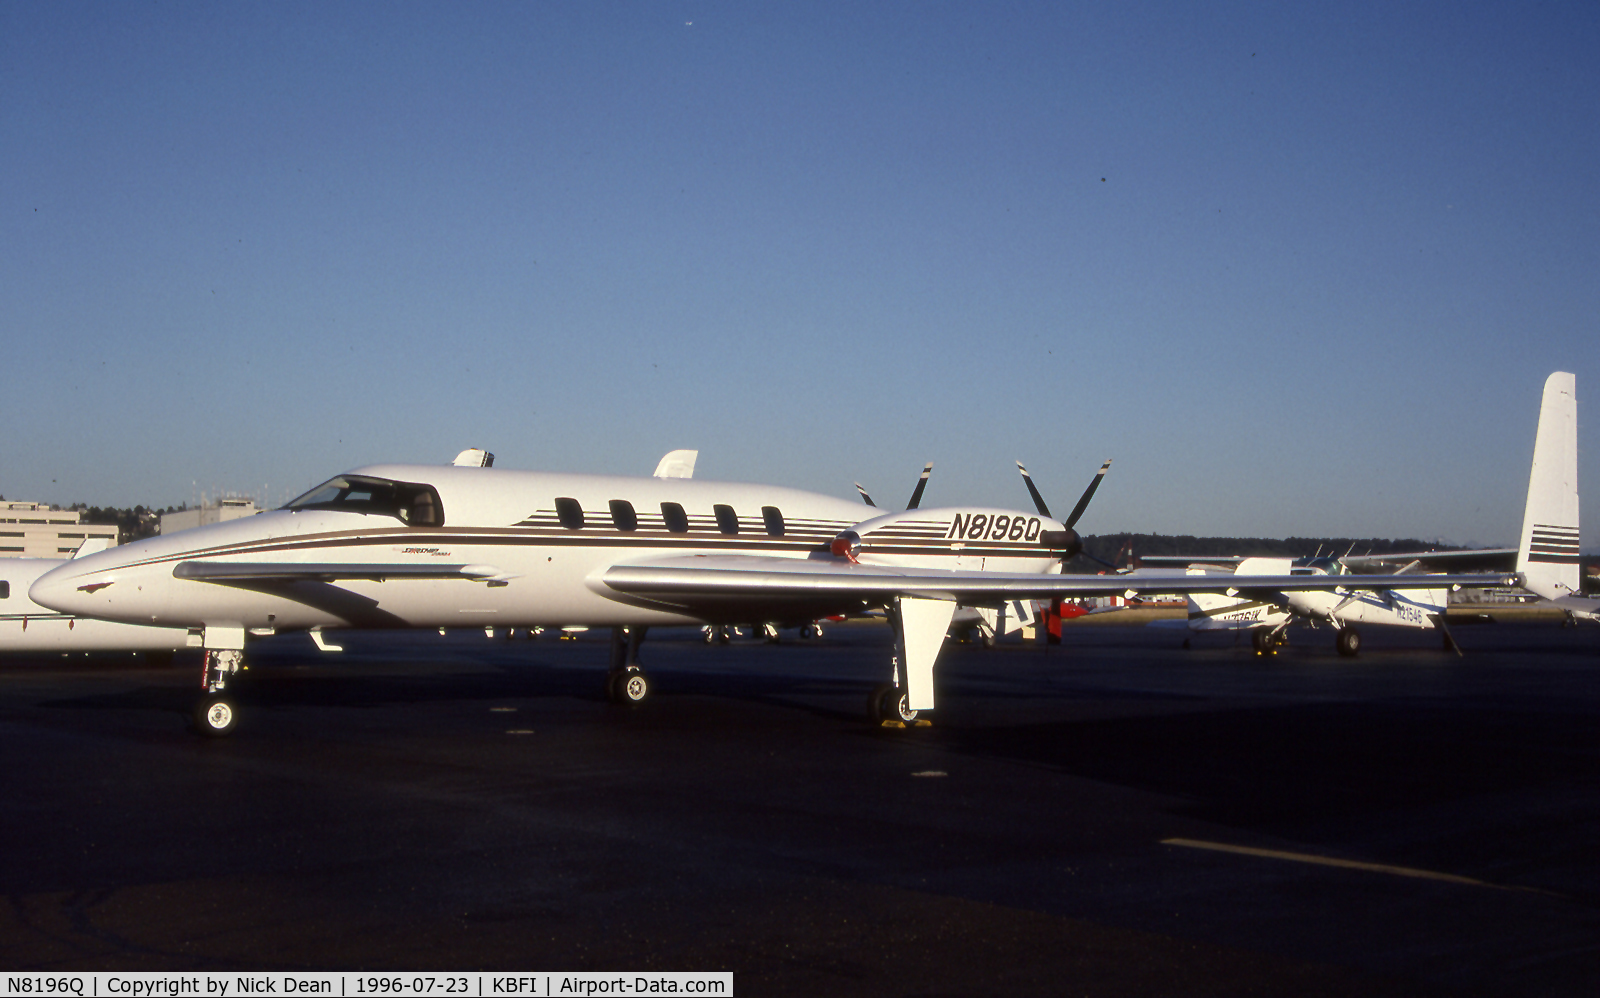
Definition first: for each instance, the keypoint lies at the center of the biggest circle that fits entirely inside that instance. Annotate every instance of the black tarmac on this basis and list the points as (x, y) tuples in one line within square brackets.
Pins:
[(1114, 816)]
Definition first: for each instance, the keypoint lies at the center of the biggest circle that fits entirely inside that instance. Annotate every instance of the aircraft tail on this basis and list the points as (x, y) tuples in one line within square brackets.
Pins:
[(1548, 551)]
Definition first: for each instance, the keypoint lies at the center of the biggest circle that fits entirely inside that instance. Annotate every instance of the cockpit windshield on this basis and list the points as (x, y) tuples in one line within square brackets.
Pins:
[(417, 505), (1317, 566)]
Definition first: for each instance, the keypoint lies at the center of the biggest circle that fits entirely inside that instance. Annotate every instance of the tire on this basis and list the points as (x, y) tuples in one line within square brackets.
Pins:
[(1261, 640), (216, 716), (895, 705), (1349, 642), (630, 687), (876, 700)]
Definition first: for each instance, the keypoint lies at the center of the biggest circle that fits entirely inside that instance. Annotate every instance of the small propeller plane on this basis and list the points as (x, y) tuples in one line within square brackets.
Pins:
[(414, 546), (1423, 606), (1547, 558)]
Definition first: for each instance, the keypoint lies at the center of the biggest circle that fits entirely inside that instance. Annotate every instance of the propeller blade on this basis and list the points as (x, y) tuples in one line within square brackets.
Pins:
[(1083, 503), (864, 497), (1038, 500), (1098, 560), (922, 483)]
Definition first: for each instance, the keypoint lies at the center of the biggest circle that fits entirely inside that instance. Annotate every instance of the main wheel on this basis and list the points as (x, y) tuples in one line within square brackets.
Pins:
[(1261, 640), (895, 705), (628, 687), (875, 702), (1348, 642), (215, 716)]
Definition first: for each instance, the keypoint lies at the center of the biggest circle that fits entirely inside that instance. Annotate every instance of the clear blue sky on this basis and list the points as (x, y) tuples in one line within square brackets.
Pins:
[(1298, 270)]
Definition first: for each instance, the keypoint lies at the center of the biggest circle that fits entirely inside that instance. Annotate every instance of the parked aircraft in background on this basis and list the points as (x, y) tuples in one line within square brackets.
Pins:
[(28, 628), (1547, 557), (429, 546), (1343, 608)]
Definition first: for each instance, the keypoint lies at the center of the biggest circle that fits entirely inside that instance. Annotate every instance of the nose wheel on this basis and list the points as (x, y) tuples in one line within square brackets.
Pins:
[(216, 713), (215, 716)]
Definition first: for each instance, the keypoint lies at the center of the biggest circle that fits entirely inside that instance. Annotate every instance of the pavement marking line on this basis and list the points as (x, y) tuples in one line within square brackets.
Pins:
[(1348, 864)]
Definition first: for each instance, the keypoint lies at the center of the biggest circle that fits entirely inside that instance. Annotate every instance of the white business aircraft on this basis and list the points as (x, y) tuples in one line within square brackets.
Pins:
[(28, 628), (1548, 552), (430, 546)]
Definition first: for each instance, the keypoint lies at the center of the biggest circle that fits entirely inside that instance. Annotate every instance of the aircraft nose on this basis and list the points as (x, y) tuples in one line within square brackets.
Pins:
[(66, 590)]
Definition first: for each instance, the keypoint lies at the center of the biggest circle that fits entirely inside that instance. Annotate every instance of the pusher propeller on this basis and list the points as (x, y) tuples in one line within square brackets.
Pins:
[(916, 494), (1073, 544), (922, 483), (1083, 504)]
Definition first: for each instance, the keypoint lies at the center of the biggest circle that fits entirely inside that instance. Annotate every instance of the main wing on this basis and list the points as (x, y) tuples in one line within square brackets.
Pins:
[(726, 583)]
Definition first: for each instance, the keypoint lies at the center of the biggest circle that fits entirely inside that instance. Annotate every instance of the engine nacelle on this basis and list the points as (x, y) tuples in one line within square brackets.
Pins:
[(961, 539), (1064, 543)]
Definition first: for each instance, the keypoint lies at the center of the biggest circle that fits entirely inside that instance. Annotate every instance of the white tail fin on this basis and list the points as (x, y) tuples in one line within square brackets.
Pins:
[(1548, 551)]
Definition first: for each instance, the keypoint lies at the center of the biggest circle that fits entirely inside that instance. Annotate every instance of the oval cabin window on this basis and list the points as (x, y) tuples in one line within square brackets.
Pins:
[(570, 513)]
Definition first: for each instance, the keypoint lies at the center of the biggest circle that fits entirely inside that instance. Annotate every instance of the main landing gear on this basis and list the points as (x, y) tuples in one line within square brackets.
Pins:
[(1348, 642), (216, 713), (1266, 640), (920, 628), (626, 682), (888, 703)]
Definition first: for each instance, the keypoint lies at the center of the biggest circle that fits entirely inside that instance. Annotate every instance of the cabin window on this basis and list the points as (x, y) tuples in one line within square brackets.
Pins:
[(677, 520), (570, 513), (409, 502), (727, 519), (773, 517), (5, 588), (623, 516)]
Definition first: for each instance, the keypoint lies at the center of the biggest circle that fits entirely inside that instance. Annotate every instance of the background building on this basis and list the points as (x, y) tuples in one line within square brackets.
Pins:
[(221, 511), (34, 530)]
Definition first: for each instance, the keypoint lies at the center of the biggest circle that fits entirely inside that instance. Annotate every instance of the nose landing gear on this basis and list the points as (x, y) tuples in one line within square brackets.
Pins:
[(216, 713)]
